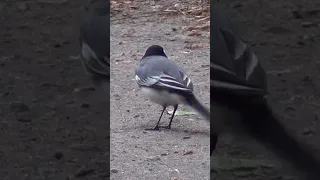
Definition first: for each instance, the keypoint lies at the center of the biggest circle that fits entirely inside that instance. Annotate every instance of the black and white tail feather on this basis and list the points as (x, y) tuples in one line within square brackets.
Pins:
[(155, 71)]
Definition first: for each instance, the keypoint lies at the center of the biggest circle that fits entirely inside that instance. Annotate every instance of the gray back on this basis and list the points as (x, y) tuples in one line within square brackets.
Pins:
[(156, 65)]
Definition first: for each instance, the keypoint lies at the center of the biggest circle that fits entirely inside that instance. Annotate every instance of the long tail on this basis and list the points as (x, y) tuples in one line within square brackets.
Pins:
[(198, 107), (264, 126)]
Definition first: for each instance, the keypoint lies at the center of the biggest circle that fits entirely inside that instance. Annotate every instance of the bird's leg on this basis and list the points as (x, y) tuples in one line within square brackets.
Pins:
[(213, 142), (157, 126), (174, 111)]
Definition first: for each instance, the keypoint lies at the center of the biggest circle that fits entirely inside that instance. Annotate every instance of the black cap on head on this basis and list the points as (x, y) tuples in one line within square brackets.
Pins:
[(155, 50)]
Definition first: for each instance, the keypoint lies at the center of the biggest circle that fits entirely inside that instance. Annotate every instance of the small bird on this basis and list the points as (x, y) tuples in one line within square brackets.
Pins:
[(95, 44), (163, 82), (238, 101)]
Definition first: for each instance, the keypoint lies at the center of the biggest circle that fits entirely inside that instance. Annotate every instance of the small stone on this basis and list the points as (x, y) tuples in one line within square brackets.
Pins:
[(307, 79), (117, 96), (297, 14), (114, 171), (186, 137), (172, 39), (153, 158), (84, 172), (57, 45), (58, 155), (85, 105), (164, 154), (301, 43), (24, 119)]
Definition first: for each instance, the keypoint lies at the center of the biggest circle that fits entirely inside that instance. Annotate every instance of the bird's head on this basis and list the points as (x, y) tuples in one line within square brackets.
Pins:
[(155, 50)]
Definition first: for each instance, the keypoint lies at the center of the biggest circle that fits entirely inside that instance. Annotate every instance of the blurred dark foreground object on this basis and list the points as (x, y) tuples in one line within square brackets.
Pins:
[(239, 103)]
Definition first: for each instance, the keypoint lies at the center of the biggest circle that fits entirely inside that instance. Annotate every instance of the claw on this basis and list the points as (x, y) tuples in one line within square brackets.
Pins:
[(166, 127)]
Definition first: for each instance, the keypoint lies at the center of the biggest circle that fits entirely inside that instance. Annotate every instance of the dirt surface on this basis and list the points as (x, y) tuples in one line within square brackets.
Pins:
[(183, 151), (285, 37), (47, 131)]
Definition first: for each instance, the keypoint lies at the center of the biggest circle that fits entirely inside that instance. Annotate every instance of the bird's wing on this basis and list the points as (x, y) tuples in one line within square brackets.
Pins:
[(160, 72), (95, 42), (233, 66)]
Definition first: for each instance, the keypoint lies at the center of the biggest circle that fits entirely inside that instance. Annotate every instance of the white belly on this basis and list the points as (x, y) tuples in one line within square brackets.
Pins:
[(161, 97)]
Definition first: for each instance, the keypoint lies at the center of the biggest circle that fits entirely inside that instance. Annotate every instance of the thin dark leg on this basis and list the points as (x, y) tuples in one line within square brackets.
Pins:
[(174, 111), (157, 126), (213, 142)]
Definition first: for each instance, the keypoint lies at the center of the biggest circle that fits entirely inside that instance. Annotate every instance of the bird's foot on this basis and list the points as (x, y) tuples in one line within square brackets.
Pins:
[(157, 128), (166, 127)]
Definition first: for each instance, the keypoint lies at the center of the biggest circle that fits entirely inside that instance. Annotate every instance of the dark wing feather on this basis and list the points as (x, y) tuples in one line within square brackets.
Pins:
[(95, 44), (233, 66)]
